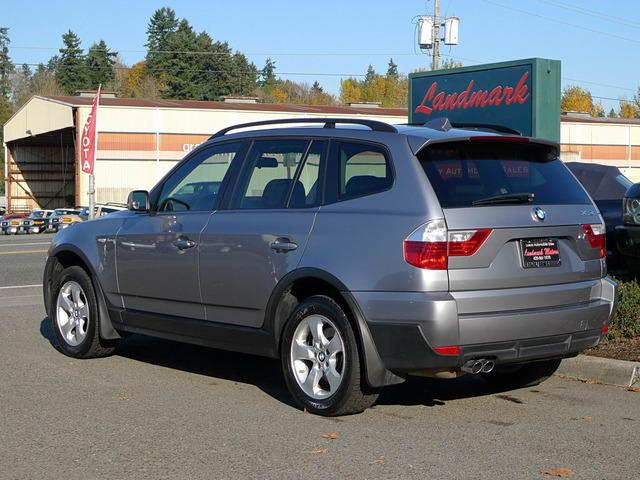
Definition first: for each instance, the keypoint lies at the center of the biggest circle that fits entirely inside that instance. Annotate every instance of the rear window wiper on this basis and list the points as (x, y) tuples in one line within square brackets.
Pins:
[(525, 197)]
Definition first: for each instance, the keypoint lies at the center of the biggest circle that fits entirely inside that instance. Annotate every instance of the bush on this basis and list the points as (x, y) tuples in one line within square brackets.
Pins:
[(627, 321)]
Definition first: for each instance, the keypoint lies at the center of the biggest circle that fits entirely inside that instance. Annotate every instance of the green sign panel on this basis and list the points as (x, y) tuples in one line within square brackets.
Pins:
[(522, 94)]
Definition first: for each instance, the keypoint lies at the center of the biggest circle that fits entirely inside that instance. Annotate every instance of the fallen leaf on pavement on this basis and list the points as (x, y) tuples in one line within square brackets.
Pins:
[(557, 472), (320, 450), (379, 461), (330, 436)]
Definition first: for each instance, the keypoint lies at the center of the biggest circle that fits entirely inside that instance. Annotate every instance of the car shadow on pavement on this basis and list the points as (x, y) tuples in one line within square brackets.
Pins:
[(265, 373)]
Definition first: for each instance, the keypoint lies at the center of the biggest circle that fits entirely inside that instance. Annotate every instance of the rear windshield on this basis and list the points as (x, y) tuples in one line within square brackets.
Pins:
[(465, 172)]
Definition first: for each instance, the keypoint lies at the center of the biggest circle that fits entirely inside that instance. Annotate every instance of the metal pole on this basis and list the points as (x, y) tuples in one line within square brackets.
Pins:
[(92, 191), (435, 62), (92, 179)]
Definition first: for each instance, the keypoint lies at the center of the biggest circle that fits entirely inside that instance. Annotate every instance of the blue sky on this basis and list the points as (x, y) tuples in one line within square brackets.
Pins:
[(343, 37)]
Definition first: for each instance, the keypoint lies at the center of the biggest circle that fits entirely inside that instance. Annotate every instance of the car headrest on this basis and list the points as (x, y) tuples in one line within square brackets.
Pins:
[(362, 184), (275, 194)]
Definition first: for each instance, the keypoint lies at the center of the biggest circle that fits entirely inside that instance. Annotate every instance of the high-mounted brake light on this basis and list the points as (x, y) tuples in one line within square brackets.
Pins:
[(499, 138), (596, 236), (431, 245)]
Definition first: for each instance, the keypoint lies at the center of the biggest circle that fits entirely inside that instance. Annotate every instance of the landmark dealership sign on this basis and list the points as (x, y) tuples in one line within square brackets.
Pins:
[(523, 95)]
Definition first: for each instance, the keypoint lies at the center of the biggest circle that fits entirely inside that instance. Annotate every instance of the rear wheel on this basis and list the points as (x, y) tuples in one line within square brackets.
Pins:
[(321, 362), (74, 315), (522, 375)]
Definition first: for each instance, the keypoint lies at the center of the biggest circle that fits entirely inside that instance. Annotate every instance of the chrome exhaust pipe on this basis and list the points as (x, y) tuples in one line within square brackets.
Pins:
[(473, 366), (488, 366)]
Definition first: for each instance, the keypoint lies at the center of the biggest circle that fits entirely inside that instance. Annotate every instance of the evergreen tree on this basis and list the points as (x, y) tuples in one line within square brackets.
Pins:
[(268, 74), (6, 66), (247, 74), (71, 72), (180, 73), (162, 25), (371, 74), (100, 61), (392, 70), (612, 113), (316, 88)]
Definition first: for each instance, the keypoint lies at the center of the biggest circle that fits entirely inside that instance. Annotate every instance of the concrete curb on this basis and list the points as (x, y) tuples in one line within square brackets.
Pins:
[(602, 370)]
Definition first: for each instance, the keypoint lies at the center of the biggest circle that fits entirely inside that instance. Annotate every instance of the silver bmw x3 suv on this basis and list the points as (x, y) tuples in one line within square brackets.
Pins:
[(357, 252)]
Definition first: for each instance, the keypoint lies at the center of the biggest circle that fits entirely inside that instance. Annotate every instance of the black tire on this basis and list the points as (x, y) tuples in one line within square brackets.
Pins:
[(92, 346), (352, 395), (523, 375)]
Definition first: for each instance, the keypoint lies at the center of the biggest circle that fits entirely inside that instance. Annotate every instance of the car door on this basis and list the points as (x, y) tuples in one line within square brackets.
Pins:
[(157, 252), (248, 247)]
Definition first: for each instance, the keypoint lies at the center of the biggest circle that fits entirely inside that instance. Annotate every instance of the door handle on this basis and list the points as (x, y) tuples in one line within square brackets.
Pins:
[(184, 243), (283, 245)]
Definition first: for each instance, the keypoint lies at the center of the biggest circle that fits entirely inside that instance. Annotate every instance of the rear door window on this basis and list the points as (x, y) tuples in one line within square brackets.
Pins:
[(269, 175), (462, 173)]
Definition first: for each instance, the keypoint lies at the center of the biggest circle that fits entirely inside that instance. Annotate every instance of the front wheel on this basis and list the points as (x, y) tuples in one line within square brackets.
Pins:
[(321, 361), (523, 375), (74, 315)]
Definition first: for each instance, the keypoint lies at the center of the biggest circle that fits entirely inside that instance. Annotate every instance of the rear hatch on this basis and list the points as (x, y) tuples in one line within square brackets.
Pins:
[(540, 227)]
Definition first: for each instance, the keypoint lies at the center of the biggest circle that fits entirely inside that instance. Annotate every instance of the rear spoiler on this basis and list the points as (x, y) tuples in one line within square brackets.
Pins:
[(418, 144)]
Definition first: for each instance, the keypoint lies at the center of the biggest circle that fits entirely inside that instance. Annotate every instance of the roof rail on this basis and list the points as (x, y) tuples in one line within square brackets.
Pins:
[(374, 125)]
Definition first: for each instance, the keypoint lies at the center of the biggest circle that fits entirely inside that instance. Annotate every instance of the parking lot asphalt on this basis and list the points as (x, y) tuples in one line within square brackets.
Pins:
[(157, 409)]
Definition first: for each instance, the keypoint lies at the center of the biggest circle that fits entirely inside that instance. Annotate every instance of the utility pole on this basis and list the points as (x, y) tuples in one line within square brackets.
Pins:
[(429, 33), (435, 59)]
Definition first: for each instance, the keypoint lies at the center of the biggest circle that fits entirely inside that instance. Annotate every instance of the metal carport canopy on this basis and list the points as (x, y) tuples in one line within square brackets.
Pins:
[(39, 115)]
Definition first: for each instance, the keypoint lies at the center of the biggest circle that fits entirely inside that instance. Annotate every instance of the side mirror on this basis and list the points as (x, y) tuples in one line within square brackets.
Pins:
[(631, 205), (138, 201)]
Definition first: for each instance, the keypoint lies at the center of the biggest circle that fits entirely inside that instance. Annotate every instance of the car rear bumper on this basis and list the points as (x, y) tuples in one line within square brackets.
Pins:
[(509, 325)]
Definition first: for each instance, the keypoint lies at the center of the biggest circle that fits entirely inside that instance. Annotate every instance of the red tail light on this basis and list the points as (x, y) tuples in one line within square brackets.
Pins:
[(595, 235), (431, 245)]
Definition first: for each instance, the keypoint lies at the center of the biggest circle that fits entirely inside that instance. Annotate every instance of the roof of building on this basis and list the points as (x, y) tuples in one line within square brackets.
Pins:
[(76, 101), (85, 101), (588, 119)]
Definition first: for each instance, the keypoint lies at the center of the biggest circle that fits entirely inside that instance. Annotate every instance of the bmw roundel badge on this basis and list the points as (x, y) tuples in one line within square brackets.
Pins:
[(539, 214)]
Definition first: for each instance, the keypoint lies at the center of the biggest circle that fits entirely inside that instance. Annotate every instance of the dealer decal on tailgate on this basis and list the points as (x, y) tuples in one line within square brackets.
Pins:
[(540, 252)]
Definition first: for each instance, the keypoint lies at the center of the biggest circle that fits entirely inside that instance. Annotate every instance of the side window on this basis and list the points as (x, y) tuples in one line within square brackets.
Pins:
[(196, 184), (309, 195), (363, 170), (269, 175)]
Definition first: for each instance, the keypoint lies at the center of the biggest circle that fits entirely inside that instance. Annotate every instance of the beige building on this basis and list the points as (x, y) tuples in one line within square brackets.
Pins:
[(140, 140)]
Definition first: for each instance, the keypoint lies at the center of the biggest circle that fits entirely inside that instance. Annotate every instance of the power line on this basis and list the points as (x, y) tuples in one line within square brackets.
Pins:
[(562, 22), (591, 13), (258, 54), (599, 84), (190, 70)]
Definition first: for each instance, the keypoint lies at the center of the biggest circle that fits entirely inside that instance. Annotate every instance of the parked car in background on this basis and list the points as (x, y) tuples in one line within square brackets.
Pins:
[(628, 234), (357, 256), (11, 223), (607, 187), (102, 209), (36, 222), (62, 218)]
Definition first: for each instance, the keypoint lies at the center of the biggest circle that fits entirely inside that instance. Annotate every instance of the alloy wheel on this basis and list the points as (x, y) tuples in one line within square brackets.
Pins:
[(317, 357)]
